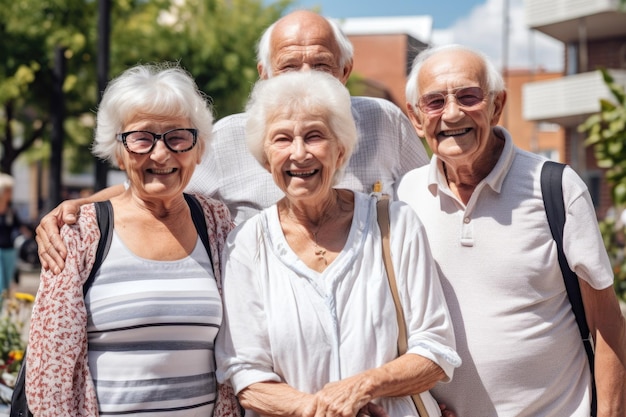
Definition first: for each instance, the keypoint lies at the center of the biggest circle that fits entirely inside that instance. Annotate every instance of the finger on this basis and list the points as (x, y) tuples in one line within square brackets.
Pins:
[(49, 257), (43, 257), (375, 410)]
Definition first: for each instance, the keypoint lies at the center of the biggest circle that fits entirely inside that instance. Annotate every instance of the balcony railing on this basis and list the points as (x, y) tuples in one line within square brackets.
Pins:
[(564, 19), (567, 101)]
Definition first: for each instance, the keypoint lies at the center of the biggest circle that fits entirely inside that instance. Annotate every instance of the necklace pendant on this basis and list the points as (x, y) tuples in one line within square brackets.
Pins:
[(322, 254)]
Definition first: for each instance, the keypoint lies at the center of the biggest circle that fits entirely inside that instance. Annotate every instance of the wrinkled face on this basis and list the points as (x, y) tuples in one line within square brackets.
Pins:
[(305, 42), (160, 173), (459, 132), (302, 153)]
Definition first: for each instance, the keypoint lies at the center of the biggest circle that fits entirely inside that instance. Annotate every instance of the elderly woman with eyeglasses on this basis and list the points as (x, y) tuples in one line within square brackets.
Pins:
[(141, 343)]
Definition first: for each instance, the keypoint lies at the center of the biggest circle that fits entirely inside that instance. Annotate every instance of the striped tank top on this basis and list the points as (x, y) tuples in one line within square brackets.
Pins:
[(151, 328)]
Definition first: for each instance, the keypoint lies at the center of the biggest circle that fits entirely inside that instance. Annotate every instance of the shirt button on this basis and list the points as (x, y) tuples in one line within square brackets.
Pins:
[(467, 220)]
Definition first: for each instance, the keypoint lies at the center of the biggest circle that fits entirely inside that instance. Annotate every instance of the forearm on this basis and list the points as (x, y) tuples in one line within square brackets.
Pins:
[(276, 399), (610, 371), (608, 328), (407, 375)]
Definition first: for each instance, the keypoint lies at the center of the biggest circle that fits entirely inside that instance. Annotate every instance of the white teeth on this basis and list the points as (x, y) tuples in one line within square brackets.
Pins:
[(454, 132), (302, 173), (162, 171)]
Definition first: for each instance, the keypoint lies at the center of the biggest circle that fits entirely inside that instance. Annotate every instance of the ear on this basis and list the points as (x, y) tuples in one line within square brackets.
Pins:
[(261, 70), (120, 162), (416, 119), (498, 107), (341, 156), (346, 71)]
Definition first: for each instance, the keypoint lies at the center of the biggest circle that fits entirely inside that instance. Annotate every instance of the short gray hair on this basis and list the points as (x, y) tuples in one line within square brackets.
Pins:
[(317, 92), (264, 54), (6, 182), (495, 82), (161, 89)]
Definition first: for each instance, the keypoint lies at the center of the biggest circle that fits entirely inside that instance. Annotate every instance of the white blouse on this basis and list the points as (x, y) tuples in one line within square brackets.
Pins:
[(286, 322)]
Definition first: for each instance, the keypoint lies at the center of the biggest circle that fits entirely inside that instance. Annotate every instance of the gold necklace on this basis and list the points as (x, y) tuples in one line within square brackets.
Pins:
[(319, 251)]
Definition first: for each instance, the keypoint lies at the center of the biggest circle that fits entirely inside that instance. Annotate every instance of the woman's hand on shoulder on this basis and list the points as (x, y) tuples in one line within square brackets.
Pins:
[(51, 249)]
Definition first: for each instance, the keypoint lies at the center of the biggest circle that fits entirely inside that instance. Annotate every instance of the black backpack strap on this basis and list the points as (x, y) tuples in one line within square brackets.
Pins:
[(552, 191), (197, 215), (104, 214)]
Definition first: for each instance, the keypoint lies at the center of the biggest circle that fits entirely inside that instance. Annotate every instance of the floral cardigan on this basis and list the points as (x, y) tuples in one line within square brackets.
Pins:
[(58, 381)]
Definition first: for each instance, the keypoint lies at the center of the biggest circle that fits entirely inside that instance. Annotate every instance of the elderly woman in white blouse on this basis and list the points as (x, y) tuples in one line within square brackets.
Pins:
[(310, 323)]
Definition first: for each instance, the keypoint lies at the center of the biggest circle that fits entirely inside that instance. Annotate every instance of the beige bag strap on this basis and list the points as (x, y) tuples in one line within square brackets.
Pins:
[(382, 207)]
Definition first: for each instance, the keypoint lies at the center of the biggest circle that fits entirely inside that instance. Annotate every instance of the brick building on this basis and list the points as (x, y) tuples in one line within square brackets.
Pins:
[(594, 34)]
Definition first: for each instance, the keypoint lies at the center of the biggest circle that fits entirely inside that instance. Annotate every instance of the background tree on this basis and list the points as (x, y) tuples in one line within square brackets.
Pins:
[(606, 132), (30, 31), (213, 39)]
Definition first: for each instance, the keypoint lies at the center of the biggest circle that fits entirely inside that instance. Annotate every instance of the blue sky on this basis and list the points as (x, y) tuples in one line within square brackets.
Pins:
[(474, 23), (444, 12)]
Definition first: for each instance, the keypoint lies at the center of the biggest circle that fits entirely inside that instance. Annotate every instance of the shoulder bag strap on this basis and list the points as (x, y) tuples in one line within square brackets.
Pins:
[(382, 208), (552, 192)]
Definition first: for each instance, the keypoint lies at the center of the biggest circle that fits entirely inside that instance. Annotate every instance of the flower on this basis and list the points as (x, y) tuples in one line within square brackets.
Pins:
[(14, 323)]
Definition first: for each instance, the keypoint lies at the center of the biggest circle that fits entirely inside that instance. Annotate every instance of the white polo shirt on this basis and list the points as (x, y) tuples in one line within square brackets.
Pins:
[(517, 337)]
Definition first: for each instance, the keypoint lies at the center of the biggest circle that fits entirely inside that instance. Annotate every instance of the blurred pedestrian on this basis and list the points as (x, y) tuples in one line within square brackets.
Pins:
[(10, 228)]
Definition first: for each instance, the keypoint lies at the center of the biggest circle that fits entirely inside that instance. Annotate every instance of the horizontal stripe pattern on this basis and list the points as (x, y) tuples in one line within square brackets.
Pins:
[(151, 329)]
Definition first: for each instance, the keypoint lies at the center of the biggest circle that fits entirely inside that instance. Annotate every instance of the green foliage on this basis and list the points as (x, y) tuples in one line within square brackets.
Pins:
[(213, 39), (606, 132), (31, 30), (14, 319)]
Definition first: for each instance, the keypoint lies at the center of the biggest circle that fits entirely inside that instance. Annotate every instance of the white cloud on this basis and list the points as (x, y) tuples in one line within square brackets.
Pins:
[(483, 29)]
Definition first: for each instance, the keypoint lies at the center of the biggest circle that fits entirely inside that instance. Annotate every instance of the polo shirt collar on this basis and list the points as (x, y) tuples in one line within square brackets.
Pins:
[(437, 179)]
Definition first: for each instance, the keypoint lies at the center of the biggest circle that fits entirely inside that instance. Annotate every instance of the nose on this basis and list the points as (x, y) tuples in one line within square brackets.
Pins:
[(451, 108), (298, 149), (160, 151)]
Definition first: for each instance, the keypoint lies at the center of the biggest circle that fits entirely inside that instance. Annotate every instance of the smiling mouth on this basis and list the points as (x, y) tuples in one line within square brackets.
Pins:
[(457, 132), (302, 174), (161, 171)]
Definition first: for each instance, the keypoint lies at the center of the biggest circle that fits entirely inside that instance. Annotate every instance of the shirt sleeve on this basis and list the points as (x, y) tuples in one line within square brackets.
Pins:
[(242, 351), (429, 326), (582, 240)]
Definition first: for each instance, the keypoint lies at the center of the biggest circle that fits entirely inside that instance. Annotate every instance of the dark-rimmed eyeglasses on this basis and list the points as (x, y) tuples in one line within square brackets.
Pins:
[(143, 141), (467, 98)]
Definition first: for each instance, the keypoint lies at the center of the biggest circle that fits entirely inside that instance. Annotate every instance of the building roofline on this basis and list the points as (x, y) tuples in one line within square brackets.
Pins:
[(418, 27)]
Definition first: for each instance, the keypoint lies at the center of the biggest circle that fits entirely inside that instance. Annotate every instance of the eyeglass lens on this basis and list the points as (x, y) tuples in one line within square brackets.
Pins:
[(465, 97), (177, 140)]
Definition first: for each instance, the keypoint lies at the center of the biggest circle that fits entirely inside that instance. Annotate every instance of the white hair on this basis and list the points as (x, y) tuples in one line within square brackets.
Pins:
[(495, 82), (158, 89), (317, 92)]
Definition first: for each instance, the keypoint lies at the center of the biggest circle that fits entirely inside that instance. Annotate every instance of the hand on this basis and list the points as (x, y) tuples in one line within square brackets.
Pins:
[(344, 398), (51, 249), (372, 410), (445, 412)]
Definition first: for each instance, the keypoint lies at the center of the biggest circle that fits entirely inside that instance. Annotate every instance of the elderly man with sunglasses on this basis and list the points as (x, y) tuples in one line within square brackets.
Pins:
[(481, 203)]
